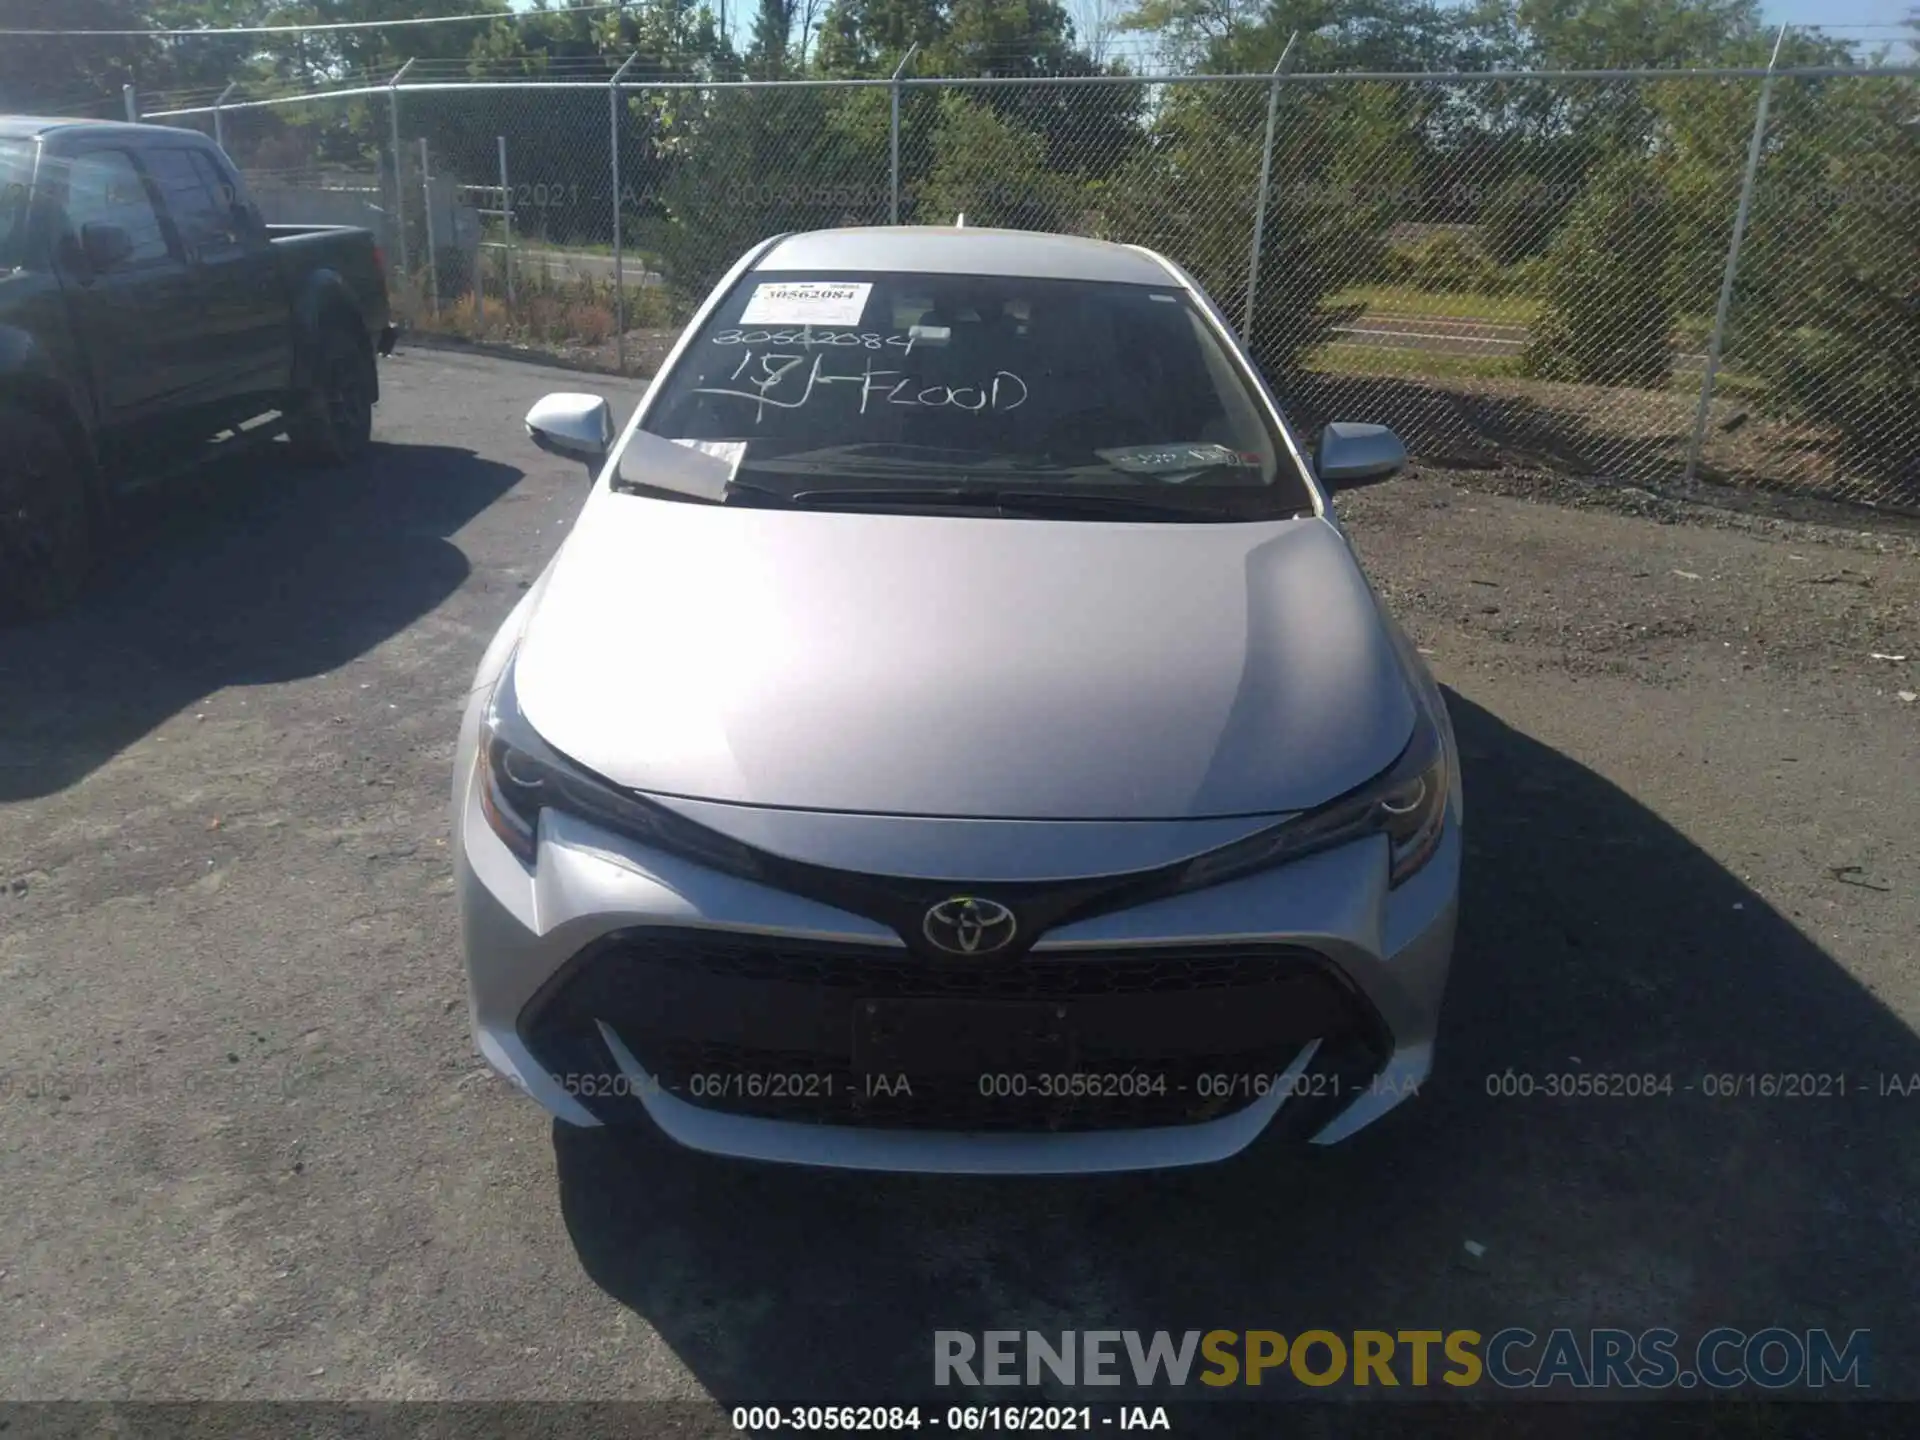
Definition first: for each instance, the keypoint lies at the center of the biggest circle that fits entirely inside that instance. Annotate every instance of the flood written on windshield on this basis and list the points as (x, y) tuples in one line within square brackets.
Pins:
[(950, 376)]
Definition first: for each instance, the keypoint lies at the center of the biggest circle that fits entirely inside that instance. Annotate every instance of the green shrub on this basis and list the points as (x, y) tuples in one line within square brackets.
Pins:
[(1190, 193), (752, 163), (1827, 307), (1525, 278), (995, 173), (1607, 305), (1520, 218), (1446, 262)]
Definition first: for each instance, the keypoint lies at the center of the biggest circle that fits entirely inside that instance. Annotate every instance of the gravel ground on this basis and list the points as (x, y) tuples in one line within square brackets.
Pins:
[(248, 1152)]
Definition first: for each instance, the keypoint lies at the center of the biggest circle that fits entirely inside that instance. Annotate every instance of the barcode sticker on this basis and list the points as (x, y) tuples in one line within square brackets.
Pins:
[(806, 302)]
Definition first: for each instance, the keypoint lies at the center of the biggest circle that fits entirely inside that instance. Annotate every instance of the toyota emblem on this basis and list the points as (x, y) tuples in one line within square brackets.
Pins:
[(968, 925)]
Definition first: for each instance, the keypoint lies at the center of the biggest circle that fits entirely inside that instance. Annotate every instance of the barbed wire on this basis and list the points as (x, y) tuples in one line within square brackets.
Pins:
[(264, 86)]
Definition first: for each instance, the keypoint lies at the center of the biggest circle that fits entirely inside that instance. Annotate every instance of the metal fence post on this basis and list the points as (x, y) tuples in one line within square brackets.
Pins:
[(399, 170), (619, 262), (433, 259), (506, 215), (1266, 177), (132, 98), (219, 121), (893, 137), (1733, 262)]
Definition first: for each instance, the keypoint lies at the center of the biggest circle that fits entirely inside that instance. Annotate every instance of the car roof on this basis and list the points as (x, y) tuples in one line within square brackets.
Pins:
[(962, 250)]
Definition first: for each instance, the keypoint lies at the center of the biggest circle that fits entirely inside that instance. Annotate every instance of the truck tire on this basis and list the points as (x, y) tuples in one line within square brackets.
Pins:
[(332, 423), (45, 541)]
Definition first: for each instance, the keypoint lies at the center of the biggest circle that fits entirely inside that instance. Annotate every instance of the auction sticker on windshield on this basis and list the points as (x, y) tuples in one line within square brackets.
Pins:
[(806, 302), (1176, 459)]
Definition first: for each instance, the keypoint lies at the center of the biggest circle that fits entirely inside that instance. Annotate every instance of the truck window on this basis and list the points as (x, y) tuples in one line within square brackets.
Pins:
[(104, 186), (222, 180), (204, 222)]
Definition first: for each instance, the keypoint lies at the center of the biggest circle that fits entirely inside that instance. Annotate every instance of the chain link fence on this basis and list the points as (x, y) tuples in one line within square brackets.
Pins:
[(1646, 278)]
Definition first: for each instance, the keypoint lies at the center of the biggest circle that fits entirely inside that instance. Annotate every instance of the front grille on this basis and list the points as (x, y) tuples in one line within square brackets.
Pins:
[(847, 1034), (895, 973)]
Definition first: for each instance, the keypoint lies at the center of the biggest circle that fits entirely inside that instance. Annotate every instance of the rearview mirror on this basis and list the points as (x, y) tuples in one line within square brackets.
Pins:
[(104, 245), (1350, 453), (580, 427)]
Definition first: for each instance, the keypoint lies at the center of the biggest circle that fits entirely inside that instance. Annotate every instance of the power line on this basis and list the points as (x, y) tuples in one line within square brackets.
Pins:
[(310, 29)]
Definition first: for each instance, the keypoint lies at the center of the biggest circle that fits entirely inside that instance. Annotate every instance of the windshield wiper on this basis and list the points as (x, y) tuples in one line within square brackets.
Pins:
[(744, 492), (1027, 502)]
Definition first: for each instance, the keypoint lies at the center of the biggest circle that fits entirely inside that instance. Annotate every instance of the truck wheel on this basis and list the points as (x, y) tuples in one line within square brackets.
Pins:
[(333, 424), (45, 547)]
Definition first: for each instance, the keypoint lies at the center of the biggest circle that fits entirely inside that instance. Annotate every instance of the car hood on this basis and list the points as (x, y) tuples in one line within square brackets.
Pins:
[(962, 666)]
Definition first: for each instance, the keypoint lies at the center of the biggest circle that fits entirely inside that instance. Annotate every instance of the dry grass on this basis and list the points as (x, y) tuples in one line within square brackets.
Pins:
[(1449, 305), (575, 317)]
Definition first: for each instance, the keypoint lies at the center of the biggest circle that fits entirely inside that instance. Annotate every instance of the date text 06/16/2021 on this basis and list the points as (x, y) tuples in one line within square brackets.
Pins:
[(960, 1419), (1012, 1085)]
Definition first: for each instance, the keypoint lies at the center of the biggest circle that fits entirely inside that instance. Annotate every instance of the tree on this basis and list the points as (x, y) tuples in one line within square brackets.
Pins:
[(535, 40), (1085, 132), (1637, 34), (772, 34), (1520, 219), (995, 174), (68, 73), (1096, 23), (1616, 118), (341, 54), (868, 37), (1607, 307), (1008, 38), (1248, 35), (1702, 134), (1828, 304), (1191, 189), (752, 163)]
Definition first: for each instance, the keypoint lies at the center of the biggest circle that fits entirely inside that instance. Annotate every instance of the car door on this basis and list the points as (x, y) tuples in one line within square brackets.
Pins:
[(135, 319), (244, 324), (269, 320)]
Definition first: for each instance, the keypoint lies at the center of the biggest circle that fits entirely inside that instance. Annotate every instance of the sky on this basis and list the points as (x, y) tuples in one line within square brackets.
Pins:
[(1818, 12), (1847, 18), (1867, 22)]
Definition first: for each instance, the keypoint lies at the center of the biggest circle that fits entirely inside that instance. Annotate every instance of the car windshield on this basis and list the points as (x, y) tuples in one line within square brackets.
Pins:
[(16, 180), (1036, 396)]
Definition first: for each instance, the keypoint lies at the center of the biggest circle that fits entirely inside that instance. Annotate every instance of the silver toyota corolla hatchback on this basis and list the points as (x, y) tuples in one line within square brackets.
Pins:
[(956, 736)]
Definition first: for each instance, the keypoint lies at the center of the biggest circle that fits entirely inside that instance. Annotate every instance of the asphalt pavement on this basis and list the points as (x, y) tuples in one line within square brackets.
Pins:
[(248, 1151)]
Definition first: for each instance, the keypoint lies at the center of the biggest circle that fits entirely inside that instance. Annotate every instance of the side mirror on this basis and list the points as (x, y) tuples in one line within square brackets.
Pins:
[(1351, 453), (104, 245), (580, 427)]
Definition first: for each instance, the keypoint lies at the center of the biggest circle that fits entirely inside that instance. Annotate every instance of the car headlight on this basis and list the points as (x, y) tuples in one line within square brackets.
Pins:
[(1406, 802), (520, 775)]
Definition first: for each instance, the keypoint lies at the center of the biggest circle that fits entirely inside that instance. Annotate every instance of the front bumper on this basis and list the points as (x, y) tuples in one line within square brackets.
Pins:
[(617, 984)]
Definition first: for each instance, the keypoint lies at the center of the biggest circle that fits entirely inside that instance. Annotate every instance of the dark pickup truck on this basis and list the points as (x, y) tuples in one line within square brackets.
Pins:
[(148, 313)]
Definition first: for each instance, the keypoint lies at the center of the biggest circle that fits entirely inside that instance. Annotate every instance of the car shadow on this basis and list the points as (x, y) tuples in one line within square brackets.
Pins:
[(1595, 939), (249, 572)]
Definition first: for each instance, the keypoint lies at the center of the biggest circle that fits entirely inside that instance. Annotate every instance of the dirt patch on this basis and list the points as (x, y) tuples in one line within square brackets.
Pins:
[(646, 347), (1604, 434), (646, 352)]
